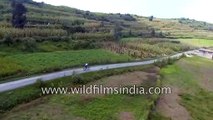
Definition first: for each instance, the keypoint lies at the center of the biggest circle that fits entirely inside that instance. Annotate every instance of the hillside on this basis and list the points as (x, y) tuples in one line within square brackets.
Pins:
[(47, 22), (38, 39), (50, 29)]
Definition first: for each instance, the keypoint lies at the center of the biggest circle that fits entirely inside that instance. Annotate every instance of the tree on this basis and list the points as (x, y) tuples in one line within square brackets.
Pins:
[(153, 33), (18, 14), (117, 32), (130, 32), (151, 18), (161, 34)]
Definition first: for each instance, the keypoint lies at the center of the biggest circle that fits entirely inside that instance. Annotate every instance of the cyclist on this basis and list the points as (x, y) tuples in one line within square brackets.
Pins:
[(86, 66)]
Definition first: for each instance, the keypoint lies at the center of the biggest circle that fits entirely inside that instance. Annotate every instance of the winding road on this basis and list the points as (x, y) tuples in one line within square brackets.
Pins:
[(51, 76)]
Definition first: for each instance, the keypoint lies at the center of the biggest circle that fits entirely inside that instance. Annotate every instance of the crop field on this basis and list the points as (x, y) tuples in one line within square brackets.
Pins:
[(146, 48), (28, 64), (198, 42), (177, 29)]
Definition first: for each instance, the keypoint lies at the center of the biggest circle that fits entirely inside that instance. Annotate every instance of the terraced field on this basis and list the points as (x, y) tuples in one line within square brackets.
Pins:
[(146, 48), (198, 42)]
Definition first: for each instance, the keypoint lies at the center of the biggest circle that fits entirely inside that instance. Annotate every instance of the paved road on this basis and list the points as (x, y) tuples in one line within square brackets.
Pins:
[(51, 76)]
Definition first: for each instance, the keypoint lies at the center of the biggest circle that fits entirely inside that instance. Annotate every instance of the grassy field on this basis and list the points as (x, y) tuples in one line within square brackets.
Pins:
[(81, 106), (77, 107), (198, 42), (192, 77), (28, 64)]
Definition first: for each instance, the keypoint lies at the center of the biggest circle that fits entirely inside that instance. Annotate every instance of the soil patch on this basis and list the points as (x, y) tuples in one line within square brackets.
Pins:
[(126, 116), (168, 105)]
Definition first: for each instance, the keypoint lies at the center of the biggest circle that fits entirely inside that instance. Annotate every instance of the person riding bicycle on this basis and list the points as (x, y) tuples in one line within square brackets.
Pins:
[(86, 66)]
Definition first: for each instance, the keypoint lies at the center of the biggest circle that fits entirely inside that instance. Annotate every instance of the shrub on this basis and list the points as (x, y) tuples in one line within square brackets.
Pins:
[(153, 32), (29, 45), (127, 17), (161, 34), (117, 32), (8, 40), (175, 41), (164, 62), (77, 79), (161, 63), (39, 83), (170, 61)]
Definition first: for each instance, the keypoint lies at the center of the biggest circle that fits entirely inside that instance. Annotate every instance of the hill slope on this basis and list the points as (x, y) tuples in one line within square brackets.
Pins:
[(48, 22)]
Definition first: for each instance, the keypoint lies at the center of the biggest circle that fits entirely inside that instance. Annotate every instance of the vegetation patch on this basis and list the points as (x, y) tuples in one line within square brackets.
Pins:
[(198, 42), (13, 98), (53, 61), (92, 107), (146, 47), (184, 75)]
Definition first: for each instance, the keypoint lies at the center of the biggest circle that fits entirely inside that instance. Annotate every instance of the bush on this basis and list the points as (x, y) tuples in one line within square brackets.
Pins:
[(8, 40), (11, 99), (153, 32), (128, 17), (161, 34), (165, 62), (170, 61), (29, 45), (81, 44), (78, 80), (40, 84), (175, 41)]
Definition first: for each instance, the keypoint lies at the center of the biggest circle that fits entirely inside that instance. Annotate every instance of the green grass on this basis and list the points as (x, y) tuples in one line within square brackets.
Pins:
[(186, 74), (75, 106), (106, 107), (198, 42), (28, 64), (176, 76), (200, 105), (97, 108), (10, 99)]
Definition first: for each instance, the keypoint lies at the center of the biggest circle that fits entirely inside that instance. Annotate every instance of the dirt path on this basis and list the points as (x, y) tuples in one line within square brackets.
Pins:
[(168, 105), (126, 116)]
